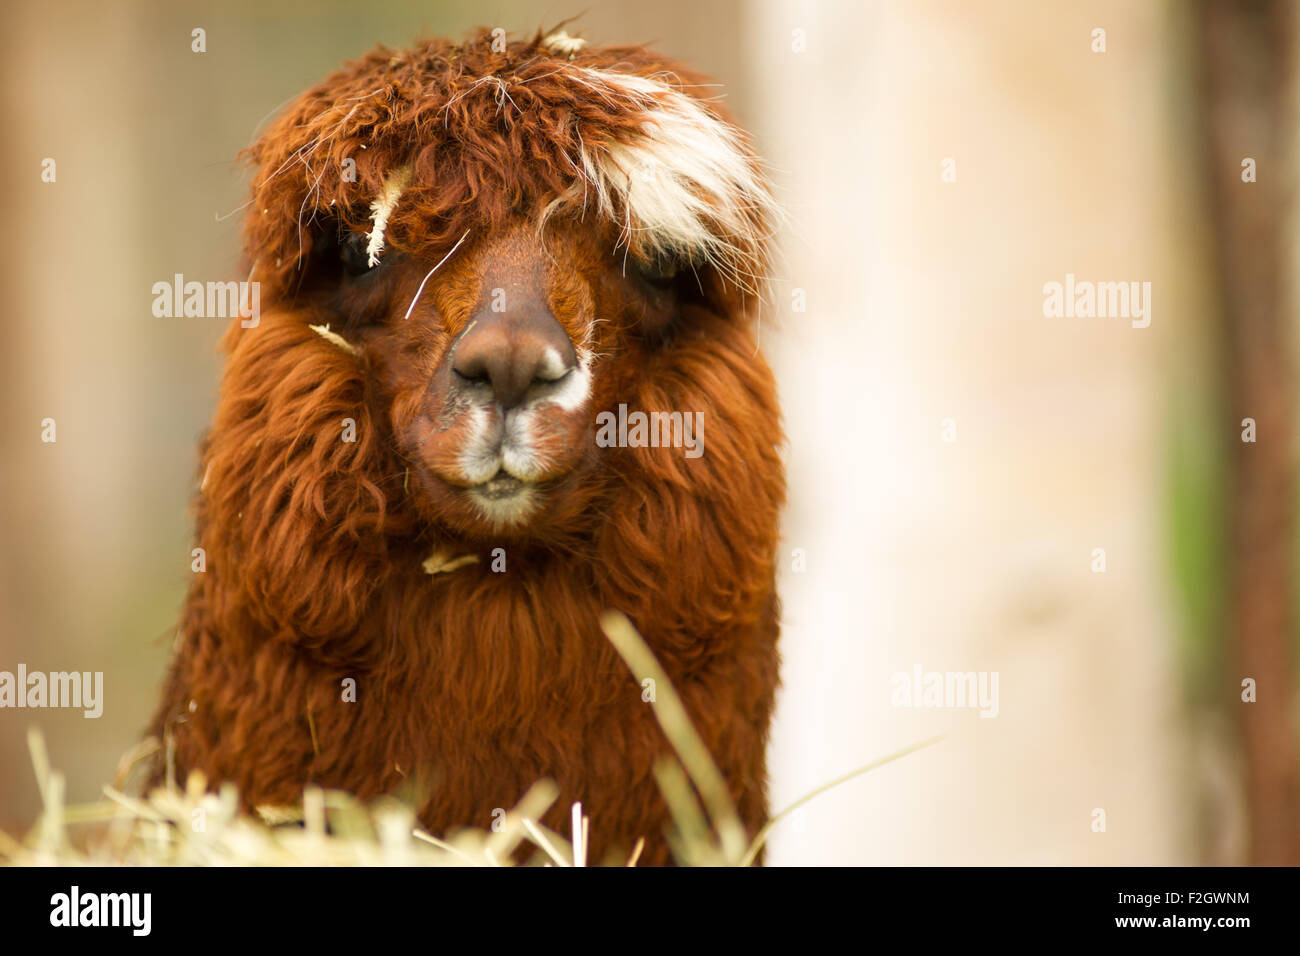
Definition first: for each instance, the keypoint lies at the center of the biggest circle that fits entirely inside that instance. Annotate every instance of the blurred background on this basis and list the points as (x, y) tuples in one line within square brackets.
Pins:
[(956, 458)]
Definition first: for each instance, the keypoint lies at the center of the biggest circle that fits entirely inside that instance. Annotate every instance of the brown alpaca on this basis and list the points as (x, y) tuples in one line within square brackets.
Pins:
[(422, 497)]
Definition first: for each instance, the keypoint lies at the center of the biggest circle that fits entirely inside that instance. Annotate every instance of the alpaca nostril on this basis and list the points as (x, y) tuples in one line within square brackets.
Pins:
[(473, 373), (512, 355)]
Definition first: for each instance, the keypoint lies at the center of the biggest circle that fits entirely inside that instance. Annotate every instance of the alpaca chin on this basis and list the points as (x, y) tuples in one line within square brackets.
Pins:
[(505, 500)]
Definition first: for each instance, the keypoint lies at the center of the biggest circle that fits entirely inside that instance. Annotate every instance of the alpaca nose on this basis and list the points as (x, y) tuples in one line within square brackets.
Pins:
[(511, 354)]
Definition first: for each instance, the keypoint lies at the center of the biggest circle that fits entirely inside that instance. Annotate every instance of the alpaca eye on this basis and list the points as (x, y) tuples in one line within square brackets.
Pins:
[(354, 255), (660, 271)]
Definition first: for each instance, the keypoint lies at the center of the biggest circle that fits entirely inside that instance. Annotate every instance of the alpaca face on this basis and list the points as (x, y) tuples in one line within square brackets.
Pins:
[(489, 361), (505, 239)]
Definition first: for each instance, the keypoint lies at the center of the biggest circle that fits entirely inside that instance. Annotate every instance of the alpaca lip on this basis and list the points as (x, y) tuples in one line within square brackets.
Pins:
[(501, 485)]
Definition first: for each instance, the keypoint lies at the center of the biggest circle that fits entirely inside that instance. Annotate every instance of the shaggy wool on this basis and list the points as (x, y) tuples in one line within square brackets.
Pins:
[(367, 619)]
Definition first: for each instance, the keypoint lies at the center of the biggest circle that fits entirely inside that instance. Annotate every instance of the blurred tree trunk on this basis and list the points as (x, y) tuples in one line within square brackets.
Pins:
[(1246, 58)]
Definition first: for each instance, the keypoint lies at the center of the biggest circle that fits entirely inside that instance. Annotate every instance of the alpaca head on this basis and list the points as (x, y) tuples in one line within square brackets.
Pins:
[(500, 239)]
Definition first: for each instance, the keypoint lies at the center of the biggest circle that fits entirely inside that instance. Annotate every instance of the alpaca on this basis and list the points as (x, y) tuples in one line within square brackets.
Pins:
[(466, 255)]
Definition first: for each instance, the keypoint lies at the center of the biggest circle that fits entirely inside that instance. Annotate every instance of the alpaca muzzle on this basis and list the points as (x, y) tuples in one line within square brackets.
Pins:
[(515, 397), (509, 359)]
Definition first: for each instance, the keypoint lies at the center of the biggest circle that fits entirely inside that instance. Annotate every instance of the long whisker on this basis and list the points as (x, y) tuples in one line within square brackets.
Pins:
[(431, 272)]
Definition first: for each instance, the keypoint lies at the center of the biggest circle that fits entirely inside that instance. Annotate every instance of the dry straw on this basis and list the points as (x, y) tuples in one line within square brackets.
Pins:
[(191, 826)]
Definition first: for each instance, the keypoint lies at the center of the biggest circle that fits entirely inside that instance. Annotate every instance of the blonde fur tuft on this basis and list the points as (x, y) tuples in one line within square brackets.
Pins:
[(382, 208), (688, 188), (564, 44)]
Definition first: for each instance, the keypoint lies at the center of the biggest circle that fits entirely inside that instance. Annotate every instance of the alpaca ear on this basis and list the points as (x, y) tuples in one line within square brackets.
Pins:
[(288, 491)]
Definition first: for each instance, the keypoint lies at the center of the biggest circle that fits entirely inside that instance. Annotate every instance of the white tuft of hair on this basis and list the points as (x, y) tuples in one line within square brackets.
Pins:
[(444, 561), (687, 188), (334, 337), (564, 44), (382, 208)]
